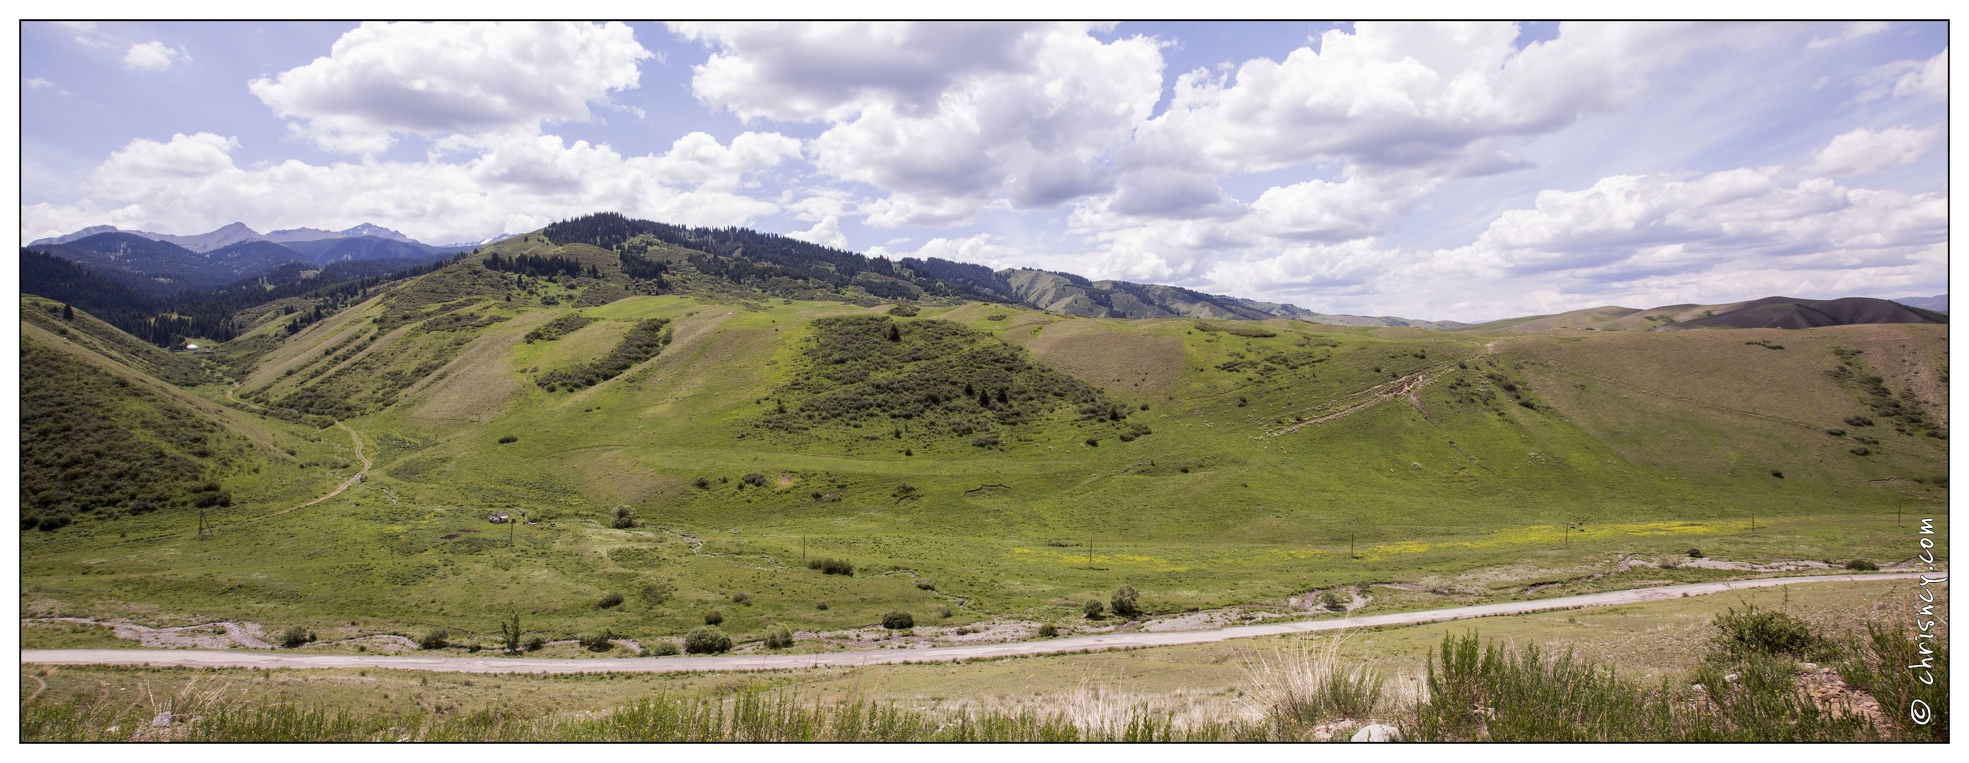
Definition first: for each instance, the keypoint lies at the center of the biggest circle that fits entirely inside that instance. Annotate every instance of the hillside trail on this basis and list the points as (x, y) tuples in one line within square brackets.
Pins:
[(691, 664), (352, 481), (1407, 386)]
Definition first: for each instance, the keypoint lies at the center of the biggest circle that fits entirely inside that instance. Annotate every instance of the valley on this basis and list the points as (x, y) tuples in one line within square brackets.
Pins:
[(701, 444)]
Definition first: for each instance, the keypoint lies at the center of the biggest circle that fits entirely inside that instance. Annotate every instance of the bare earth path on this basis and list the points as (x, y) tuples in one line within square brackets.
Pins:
[(347, 483), (189, 658)]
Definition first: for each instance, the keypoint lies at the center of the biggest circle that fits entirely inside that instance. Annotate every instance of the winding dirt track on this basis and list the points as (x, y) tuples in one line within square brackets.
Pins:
[(347, 483), (207, 659)]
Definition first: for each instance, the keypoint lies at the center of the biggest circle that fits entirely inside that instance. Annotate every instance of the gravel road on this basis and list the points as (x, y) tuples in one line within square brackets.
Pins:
[(684, 664)]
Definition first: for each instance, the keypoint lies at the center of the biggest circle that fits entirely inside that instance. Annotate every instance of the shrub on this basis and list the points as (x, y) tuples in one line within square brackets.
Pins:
[(1777, 474), (702, 483), (1859, 421), (438, 638), (625, 518), (509, 439), (1123, 602), (1862, 565), (831, 566), (1331, 601), (1093, 442), (897, 621), (1093, 609), (714, 617), (820, 605), (706, 640), (1695, 553), (599, 642), (926, 584), (535, 643), (904, 311), (1048, 631), (754, 479), (1836, 432), (986, 440), (296, 636), (609, 600), (778, 637), (742, 599), (655, 594), (1762, 632), (663, 648)]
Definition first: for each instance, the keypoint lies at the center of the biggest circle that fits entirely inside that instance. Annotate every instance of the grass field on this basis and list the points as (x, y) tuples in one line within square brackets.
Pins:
[(1242, 464)]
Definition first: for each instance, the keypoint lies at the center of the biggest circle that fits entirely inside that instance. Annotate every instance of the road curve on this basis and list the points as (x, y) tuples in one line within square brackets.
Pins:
[(686, 664)]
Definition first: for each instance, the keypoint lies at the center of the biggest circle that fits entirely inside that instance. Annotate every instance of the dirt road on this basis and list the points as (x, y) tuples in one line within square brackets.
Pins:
[(347, 483), (188, 658)]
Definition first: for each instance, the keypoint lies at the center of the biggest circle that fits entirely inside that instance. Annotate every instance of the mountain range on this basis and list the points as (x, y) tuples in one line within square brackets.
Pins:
[(160, 264)]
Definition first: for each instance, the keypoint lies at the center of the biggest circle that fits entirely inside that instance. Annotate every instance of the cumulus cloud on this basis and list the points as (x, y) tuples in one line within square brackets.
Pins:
[(1631, 222), (1925, 78), (153, 56), (191, 183), (944, 118), (382, 79), (1407, 95), (1865, 152), (827, 232)]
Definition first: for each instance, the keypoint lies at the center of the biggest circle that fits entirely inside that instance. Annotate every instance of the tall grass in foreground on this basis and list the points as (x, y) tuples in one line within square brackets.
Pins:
[(1750, 687)]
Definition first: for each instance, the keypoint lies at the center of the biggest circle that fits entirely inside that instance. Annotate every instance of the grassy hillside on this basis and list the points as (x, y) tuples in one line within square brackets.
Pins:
[(721, 434), (110, 431)]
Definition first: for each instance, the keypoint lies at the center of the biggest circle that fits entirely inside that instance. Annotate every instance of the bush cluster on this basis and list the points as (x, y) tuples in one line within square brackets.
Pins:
[(831, 566), (933, 378), (640, 344), (706, 640), (559, 327)]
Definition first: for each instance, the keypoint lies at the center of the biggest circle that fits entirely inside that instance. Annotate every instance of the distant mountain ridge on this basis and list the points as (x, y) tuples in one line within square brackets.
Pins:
[(1937, 303), (236, 233), (1769, 312)]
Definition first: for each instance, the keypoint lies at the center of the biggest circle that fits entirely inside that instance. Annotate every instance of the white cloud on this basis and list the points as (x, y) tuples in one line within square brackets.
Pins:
[(191, 184), (979, 249), (36, 83), (1865, 152), (944, 118), (697, 159), (1627, 224), (1927, 78), (438, 79), (1411, 95), (827, 232), (834, 70), (153, 56), (1847, 33)]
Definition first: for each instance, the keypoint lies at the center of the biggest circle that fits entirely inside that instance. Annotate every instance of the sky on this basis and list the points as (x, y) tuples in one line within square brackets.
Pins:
[(1462, 171)]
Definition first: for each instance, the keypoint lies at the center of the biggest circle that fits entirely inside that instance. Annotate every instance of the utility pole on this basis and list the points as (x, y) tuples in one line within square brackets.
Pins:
[(201, 523), (1090, 552), (1351, 554), (803, 550)]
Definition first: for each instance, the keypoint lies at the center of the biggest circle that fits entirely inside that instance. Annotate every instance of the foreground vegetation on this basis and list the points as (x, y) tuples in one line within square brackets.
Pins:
[(1751, 682)]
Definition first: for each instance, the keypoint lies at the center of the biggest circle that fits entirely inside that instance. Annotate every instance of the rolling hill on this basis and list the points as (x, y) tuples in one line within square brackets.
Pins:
[(693, 422), (1769, 312)]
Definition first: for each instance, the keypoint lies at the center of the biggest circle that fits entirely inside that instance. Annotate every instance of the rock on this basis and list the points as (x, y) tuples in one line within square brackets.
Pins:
[(162, 720), (1731, 678), (1378, 732)]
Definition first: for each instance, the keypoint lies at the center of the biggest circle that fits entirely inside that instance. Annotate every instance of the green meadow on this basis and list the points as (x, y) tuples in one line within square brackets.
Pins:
[(1208, 464)]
